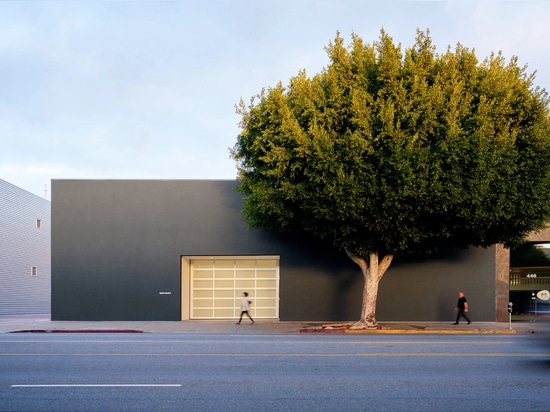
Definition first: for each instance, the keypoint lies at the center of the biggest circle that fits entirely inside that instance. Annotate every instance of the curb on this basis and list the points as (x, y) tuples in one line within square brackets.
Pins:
[(77, 331), (412, 331), (434, 332), (323, 330)]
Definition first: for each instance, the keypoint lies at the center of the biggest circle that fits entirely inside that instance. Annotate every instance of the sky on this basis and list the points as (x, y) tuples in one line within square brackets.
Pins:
[(147, 89)]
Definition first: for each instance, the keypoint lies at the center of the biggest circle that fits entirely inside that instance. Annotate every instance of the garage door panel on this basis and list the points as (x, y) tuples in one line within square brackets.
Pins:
[(203, 313), (203, 303), (266, 283), (224, 263), (266, 293), (258, 302), (224, 293), (203, 284), (269, 274), (224, 313), (225, 273), (245, 273), (224, 284), (265, 313), (245, 285), (225, 303), (267, 263), (245, 263), (203, 293), (200, 264), (204, 274)]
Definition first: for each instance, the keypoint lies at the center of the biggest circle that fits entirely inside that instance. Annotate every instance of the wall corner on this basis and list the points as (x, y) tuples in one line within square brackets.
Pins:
[(502, 282)]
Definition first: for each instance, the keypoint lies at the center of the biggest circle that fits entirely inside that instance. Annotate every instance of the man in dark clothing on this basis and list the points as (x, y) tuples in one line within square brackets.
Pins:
[(462, 308)]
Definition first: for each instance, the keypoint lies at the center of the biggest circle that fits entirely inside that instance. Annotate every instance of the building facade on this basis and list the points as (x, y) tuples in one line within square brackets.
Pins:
[(530, 277), (180, 249), (25, 270)]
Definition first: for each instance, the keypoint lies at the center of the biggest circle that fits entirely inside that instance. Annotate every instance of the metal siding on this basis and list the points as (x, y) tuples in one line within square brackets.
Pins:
[(22, 246)]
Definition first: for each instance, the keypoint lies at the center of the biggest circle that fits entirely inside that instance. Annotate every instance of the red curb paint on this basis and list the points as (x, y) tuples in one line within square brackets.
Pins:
[(78, 331)]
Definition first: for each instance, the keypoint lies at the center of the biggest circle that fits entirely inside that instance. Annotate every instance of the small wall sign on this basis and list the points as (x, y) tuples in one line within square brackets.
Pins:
[(543, 295)]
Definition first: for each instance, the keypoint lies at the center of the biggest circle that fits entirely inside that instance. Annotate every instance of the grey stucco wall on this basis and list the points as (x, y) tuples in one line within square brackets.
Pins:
[(117, 243), (327, 285), (429, 286)]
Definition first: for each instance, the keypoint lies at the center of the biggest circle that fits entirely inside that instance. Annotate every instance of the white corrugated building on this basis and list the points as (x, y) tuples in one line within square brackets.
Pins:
[(25, 252)]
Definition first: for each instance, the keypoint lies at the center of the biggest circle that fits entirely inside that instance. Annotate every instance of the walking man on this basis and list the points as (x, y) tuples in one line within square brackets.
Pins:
[(462, 308), (245, 307)]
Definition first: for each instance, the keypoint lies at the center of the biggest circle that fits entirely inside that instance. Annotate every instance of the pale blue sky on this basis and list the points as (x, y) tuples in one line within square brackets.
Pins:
[(147, 89)]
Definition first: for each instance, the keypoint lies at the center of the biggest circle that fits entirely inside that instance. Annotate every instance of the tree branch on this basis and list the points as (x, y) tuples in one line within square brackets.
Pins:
[(359, 260)]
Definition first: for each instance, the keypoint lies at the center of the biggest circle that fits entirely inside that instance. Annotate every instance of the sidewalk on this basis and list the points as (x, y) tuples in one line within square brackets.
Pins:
[(43, 324)]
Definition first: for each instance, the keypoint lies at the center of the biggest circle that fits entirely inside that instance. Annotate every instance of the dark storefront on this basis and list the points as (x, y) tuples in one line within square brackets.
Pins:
[(530, 280)]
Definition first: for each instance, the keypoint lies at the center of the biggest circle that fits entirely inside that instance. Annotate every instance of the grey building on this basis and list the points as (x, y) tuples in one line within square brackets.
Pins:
[(24, 252), (180, 249)]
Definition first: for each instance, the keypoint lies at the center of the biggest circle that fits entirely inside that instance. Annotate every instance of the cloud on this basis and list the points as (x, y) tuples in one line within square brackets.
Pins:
[(147, 89)]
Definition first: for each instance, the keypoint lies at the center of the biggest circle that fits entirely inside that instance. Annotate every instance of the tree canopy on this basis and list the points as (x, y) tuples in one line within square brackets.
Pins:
[(390, 152)]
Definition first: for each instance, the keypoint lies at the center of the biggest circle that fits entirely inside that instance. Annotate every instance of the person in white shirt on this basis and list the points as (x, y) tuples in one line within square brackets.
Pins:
[(245, 307)]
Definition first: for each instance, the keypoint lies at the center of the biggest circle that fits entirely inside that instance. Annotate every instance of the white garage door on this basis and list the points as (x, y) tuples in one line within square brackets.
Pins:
[(217, 285)]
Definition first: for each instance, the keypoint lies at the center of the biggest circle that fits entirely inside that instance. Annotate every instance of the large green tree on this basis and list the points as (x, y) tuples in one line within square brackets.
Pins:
[(387, 152)]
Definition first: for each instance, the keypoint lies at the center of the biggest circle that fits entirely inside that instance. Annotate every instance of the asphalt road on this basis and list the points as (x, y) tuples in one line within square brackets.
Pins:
[(219, 372)]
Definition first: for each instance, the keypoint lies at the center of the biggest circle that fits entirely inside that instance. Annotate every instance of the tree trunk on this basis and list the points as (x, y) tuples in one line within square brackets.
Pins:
[(373, 270)]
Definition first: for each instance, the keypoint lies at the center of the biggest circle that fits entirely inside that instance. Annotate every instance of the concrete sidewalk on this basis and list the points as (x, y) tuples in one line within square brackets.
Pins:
[(43, 324)]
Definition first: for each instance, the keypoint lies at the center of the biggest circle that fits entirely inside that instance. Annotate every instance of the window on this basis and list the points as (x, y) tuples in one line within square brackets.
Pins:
[(34, 271), (39, 223)]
